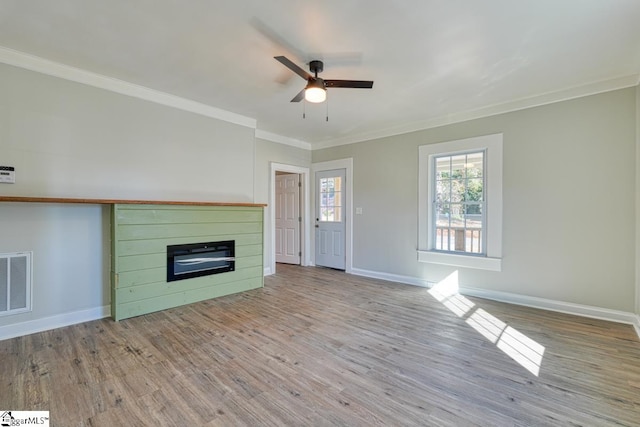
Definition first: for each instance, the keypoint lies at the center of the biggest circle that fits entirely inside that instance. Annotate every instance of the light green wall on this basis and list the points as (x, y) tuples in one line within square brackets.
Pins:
[(268, 152), (569, 205)]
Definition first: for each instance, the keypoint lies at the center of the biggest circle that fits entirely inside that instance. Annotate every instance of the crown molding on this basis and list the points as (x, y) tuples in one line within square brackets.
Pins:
[(55, 69), (491, 110), (282, 139)]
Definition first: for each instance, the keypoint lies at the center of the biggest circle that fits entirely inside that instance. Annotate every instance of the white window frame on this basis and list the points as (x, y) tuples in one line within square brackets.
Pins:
[(492, 229)]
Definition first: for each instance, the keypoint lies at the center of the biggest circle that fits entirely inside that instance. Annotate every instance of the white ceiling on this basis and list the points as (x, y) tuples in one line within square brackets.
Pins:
[(433, 61)]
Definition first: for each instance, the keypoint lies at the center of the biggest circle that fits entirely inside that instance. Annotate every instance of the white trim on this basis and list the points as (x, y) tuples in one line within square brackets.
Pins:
[(305, 246), (467, 261), (637, 205), (51, 68), (552, 305), (347, 165), (45, 66), (267, 271), (268, 136), (397, 278), (493, 227), (53, 322), (589, 89), (517, 299), (636, 324)]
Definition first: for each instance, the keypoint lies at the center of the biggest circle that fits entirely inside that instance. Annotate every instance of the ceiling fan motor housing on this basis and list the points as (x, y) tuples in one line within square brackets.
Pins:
[(317, 85), (316, 67)]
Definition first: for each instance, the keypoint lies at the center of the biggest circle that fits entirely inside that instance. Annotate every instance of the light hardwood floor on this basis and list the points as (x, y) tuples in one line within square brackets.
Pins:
[(319, 347)]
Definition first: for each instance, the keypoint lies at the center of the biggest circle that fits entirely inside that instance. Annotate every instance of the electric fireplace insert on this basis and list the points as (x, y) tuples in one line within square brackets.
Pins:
[(199, 259)]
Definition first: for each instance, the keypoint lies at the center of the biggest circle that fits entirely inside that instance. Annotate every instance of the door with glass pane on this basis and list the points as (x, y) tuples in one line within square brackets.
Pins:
[(330, 218)]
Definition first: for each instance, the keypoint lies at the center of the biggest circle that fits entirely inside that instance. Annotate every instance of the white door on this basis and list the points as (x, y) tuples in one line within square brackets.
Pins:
[(330, 218), (288, 218)]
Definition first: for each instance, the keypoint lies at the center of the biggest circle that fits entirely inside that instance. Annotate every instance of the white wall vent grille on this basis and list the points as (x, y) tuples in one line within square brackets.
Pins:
[(15, 283)]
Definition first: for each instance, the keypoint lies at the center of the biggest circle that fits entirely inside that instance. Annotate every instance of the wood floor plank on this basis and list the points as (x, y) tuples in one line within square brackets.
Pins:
[(318, 347)]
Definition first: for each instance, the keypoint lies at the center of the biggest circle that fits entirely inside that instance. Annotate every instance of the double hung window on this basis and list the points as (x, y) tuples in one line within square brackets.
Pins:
[(460, 203)]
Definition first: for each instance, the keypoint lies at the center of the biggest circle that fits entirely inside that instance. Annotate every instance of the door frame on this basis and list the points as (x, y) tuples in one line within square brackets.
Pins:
[(347, 165), (305, 213)]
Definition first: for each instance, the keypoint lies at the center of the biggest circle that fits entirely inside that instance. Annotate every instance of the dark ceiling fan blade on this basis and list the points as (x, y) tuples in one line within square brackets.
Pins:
[(293, 67), (357, 84), (299, 97)]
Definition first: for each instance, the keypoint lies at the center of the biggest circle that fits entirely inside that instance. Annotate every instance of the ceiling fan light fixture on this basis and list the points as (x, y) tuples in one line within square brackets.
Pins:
[(315, 91)]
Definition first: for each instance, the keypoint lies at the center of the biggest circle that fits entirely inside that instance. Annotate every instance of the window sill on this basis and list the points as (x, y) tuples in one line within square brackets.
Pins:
[(477, 262)]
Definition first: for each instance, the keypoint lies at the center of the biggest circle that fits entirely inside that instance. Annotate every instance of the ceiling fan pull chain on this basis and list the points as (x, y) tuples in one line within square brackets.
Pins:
[(304, 109), (327, 117)]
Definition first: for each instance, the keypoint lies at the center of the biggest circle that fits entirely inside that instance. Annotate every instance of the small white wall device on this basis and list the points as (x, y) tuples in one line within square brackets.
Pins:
[(7, 175)]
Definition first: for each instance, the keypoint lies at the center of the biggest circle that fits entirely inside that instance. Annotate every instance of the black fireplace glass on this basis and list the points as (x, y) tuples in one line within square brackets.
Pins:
[(199, 259)]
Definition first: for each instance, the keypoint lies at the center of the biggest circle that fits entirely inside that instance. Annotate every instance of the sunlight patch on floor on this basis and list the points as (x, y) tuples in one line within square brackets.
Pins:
[(446, 291), (522, 349), (525, 351), (487, 325)]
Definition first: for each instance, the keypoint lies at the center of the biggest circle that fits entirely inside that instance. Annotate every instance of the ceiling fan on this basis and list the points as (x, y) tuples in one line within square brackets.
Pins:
[(316, 89)]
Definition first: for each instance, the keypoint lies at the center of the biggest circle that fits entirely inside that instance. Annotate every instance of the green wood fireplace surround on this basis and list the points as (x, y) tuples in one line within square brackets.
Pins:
[(140, 234)]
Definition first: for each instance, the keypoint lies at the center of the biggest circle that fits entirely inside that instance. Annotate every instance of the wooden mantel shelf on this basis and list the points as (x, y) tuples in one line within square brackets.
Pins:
[(117, 201)]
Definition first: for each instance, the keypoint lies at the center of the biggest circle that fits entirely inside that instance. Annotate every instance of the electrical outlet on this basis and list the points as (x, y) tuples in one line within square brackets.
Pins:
[(7, 175)]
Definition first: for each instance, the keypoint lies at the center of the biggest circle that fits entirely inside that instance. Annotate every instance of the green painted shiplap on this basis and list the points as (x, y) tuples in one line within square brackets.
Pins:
[(162, 302), (150, 290), (147, 261), (159, 274), (141, 234), (138, 247), (167, 231), (176, 216)]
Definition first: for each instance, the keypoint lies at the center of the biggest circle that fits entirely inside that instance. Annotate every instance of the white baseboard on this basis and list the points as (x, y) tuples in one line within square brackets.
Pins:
[(268, 271), (553, 305), (53, 322), (407, 280), (517, 299), (636, 324)]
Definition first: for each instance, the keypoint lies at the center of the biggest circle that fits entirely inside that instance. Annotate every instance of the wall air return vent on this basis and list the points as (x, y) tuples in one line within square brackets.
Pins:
[(15, 283)]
